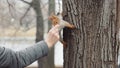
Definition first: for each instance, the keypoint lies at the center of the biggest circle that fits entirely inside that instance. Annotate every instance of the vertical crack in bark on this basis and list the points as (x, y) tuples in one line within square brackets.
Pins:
[(112, 38), (84, 37)]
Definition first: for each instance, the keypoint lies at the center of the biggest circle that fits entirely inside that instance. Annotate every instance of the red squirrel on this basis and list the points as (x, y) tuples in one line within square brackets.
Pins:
[(57, 19)]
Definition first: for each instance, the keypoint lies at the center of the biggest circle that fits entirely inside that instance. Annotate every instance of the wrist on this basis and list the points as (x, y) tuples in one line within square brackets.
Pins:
[(48, 44)]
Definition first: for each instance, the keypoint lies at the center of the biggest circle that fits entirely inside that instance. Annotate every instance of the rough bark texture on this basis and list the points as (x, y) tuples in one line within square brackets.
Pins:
[(94, 42)]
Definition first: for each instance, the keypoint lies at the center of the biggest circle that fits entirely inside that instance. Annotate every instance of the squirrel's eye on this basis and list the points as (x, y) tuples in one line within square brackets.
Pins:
[(55, 22)]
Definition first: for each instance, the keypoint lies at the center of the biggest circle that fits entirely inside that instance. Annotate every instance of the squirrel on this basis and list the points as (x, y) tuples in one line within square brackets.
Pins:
[(57, 19)]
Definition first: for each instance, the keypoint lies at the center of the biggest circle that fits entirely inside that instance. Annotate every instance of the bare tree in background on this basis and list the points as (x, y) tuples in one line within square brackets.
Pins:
[(94, 42), (50, 56), (35, 4), (46, 62)]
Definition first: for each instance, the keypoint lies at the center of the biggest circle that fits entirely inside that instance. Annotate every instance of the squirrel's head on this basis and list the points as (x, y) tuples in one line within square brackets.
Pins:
[(55, 20)]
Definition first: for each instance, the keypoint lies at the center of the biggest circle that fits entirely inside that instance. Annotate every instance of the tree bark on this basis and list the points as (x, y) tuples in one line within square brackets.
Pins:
[(94, 41), (39, 20), (39, 28)]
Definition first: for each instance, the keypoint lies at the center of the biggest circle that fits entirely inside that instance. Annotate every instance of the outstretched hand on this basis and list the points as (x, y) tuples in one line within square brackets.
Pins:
[(53, 36)]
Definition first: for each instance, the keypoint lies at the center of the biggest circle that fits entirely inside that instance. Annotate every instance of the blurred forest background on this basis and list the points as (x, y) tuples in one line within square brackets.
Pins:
[(25, 22)]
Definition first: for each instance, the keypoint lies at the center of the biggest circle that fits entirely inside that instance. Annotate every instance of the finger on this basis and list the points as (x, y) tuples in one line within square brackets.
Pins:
[(54, 30), (54, 27), (57, 35), (57, 26)]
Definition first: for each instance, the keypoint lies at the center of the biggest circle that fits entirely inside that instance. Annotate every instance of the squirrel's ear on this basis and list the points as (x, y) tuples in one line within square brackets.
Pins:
[(51, 16), (61, 14), (58, 13)]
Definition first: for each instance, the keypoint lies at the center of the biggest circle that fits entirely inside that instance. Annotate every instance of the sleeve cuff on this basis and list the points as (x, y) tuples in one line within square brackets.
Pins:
[(43, 45)]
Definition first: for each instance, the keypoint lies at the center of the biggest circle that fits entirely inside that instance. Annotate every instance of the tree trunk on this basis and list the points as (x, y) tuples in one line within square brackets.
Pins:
[(51, 10), (94, 41), (48, 61), (39, 20), (50, 57), (39, 28)]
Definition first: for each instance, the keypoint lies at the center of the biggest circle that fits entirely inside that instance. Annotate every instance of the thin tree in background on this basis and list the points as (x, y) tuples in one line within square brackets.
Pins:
[(35, 4), (46, 62), (50, 57), (94, 42)]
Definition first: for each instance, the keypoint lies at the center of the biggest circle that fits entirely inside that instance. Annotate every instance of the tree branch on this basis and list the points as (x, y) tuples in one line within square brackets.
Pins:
[(24, 15), (10, 6), (26, 2)]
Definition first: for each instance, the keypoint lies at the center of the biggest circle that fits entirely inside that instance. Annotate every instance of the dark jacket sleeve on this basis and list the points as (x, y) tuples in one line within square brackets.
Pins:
[(24, 57), (5, 57)]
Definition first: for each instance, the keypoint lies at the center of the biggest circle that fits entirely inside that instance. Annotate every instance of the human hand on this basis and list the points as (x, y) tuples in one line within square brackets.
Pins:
[(53, 36)]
